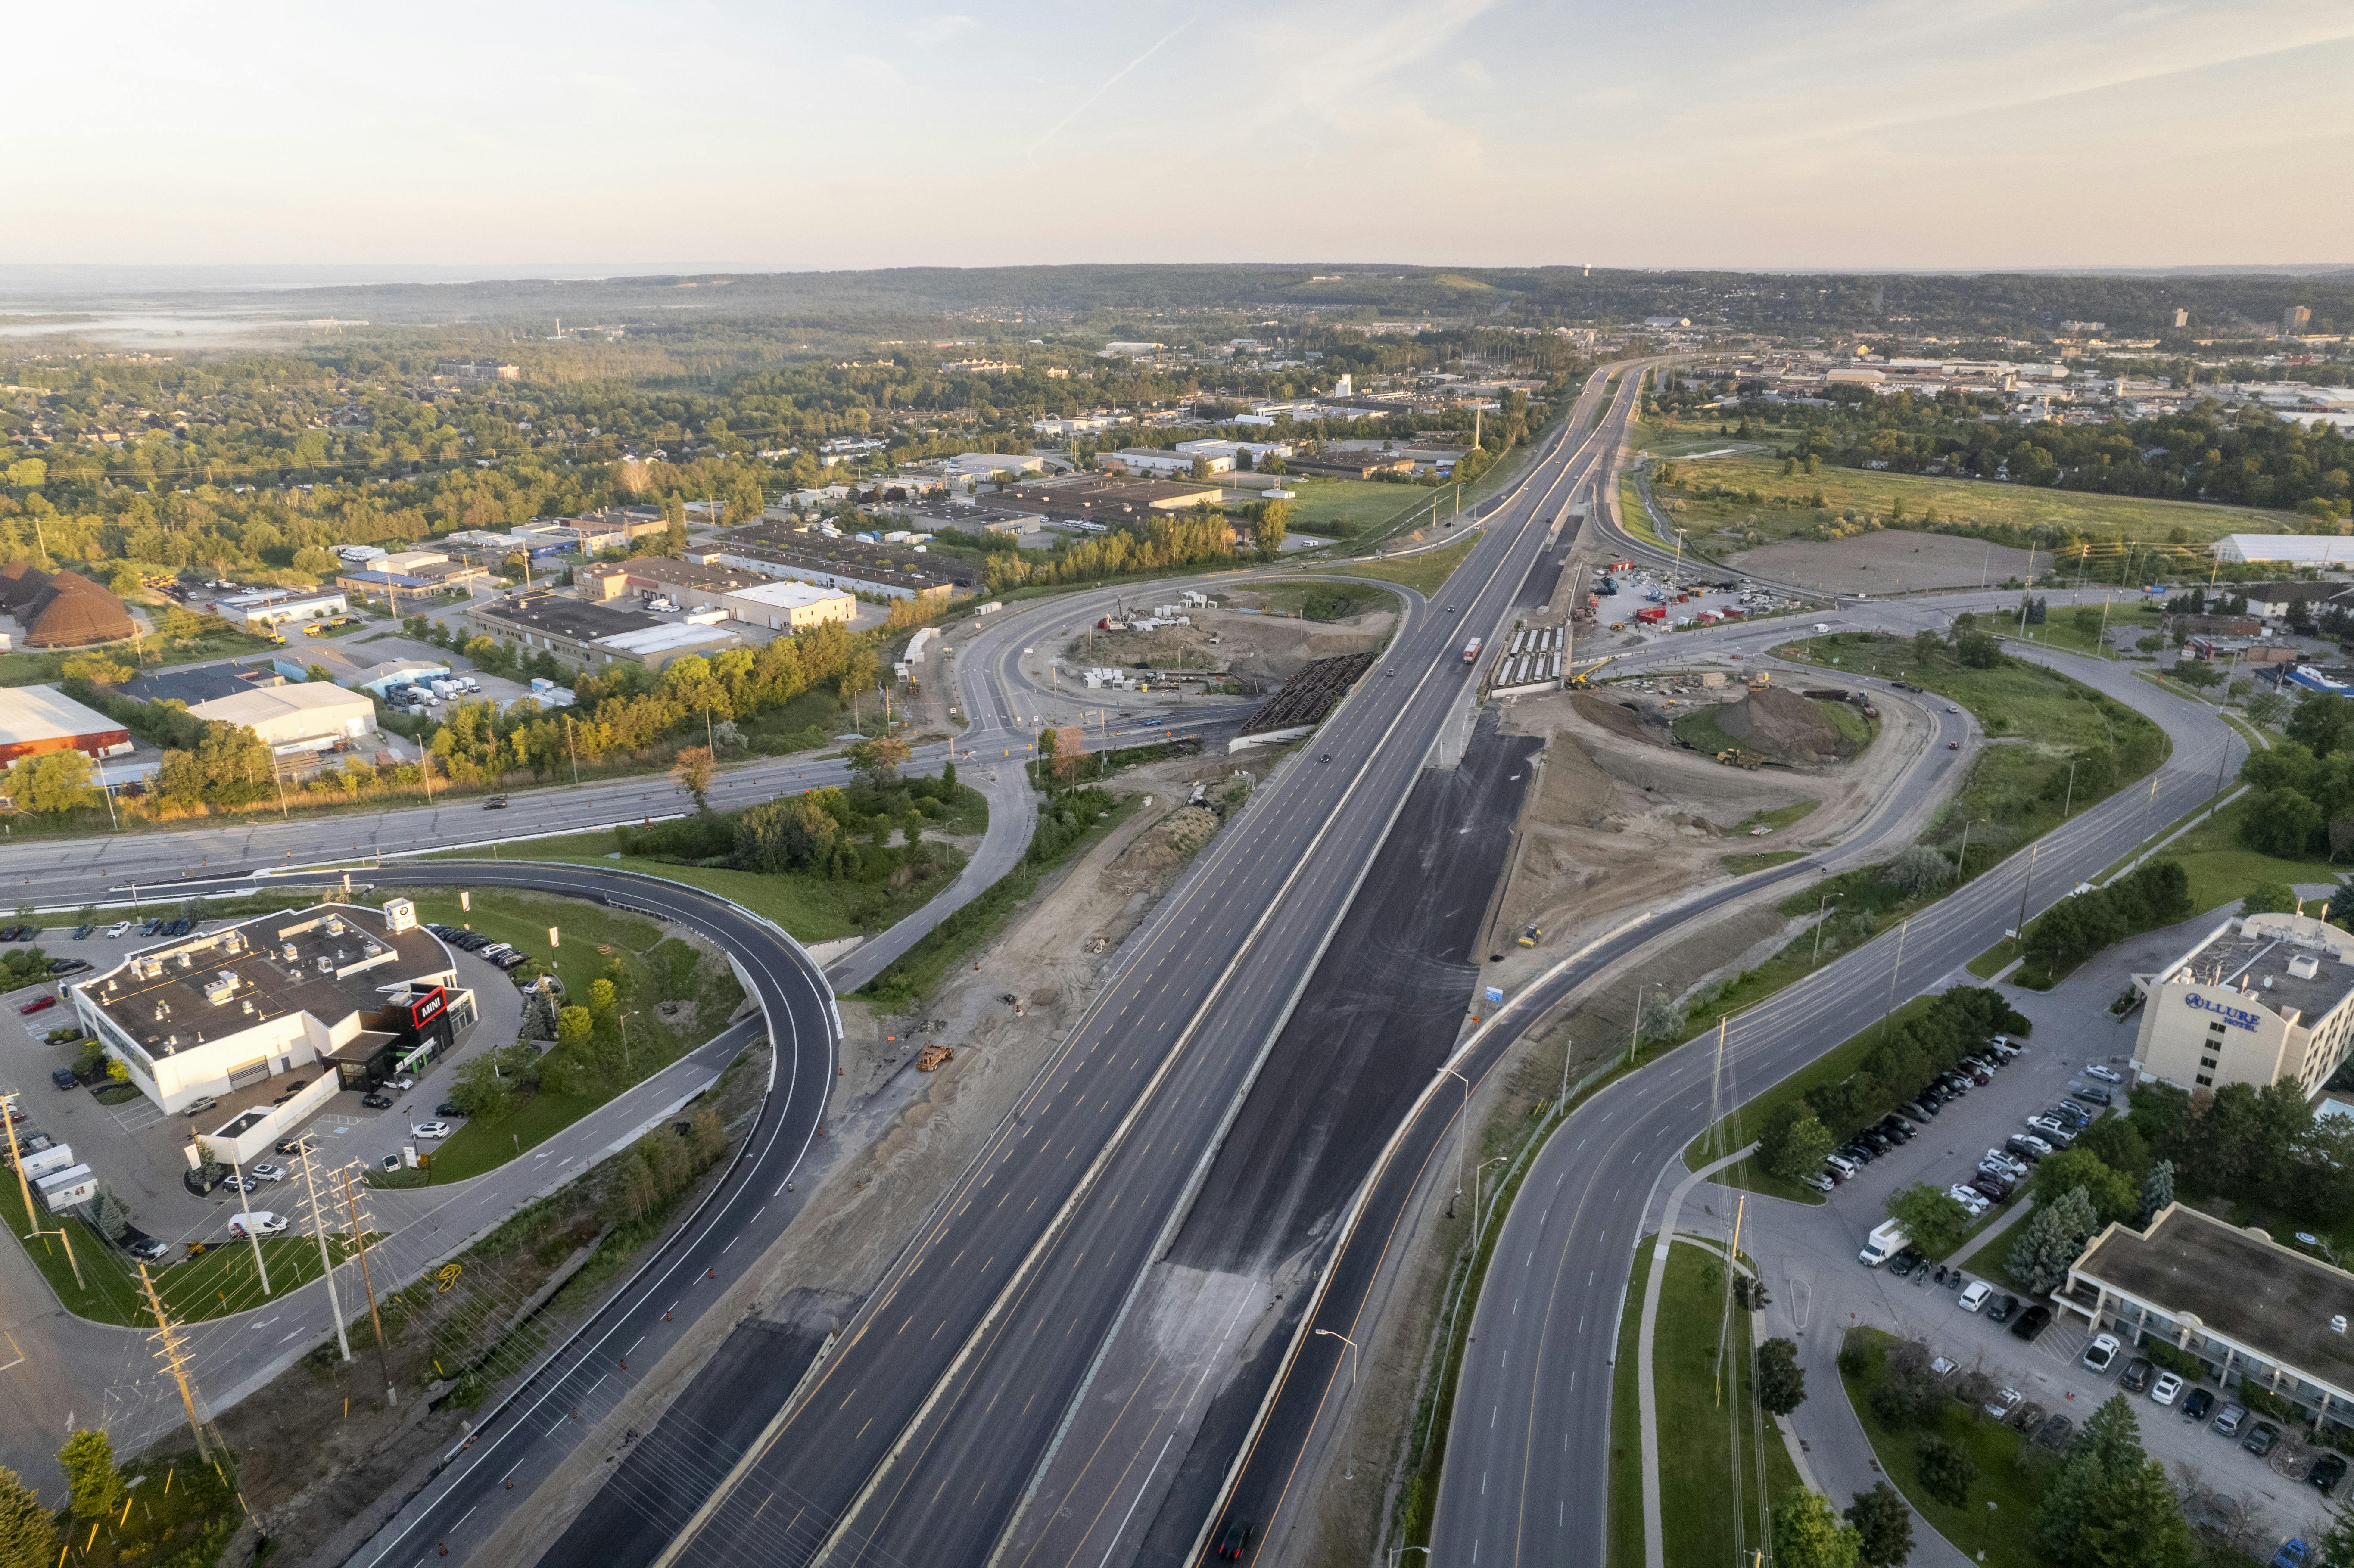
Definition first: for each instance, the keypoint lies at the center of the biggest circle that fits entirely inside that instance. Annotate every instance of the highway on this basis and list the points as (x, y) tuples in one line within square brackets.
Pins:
[(915, 1440), (1527, 1463)]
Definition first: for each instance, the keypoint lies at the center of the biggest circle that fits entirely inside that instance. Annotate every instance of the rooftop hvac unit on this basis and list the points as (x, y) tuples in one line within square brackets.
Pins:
[(2305, 966), (326, 966), (221, 986), (291, 951)]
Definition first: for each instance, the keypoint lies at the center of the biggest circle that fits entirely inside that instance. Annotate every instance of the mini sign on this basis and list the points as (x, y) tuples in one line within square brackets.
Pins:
[(1495, 995), (552, 942)]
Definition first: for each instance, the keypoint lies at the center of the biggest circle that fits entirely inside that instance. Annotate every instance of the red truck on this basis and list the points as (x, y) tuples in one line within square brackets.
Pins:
[(1471, 651)]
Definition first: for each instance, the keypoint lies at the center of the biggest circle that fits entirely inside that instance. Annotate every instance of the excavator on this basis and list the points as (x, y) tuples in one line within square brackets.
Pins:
[(1584, 678)]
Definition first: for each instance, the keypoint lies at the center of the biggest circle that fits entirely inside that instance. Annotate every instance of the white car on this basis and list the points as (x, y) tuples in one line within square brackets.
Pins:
[(2008, 1163), (2106, 1075), (1975, 1296), (404, 1083), (2101, 1352), (2163, 1391), (1818, 1181), (268, 1170), (1969, 1198), (118, 927), (2034, 1142), (258, 1222), (429, 1130)]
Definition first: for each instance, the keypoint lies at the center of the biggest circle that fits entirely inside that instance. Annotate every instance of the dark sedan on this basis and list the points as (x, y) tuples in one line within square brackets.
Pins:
[(2031, 1322)]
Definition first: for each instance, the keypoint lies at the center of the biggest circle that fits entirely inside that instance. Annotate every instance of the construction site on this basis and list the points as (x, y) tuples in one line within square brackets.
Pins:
[(1247, 642)]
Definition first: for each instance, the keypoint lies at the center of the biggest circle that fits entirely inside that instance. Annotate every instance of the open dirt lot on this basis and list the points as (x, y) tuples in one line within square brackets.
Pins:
[(1891, 561), (1621, 818), (1264, 648)]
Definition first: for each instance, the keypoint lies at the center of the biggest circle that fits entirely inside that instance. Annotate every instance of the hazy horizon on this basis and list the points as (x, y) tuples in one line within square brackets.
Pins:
[(1859, 136)]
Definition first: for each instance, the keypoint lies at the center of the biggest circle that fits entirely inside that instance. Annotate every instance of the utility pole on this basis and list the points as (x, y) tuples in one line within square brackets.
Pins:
[(17, 1157), (326, 1263), (1635, 1034), (1897, 969), (259, 1266), (359, 1241), (166, 1337), (2068, 803)]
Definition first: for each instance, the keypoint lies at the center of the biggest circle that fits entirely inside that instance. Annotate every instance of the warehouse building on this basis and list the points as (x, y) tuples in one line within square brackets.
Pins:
[(841, 564), (754, 598), (275, 607), (2260, 1000), (301, 716), (35, 719), (2258, 1314), (591, 635), (204, 683), (369, 993)]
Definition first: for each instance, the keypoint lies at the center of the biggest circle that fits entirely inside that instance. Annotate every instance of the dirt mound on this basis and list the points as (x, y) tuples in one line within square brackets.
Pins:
[(1607, 715), (1171, 841), (1785, 724)]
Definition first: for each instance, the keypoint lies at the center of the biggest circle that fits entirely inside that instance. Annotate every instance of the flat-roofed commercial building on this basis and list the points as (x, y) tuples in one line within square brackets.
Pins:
[(301, 716), (35, 719), (843, 563), (755, 597), (1107, 501), (2259, 1314), (2324, 550), (370, 992), (2260, 1000), (1146, 462), (275, 607), (591, 635)]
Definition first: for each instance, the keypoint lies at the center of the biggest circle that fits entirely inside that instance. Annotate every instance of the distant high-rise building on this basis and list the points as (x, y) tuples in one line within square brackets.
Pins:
[(2295, 319), (2182, 318), (1344, 385)]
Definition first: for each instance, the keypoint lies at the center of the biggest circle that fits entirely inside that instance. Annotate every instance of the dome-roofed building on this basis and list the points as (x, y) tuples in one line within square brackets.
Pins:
[(61, 610)]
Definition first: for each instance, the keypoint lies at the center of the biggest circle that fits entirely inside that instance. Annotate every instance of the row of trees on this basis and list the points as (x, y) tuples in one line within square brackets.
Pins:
[(2302, 789), (193, 1520), (2153, 894)]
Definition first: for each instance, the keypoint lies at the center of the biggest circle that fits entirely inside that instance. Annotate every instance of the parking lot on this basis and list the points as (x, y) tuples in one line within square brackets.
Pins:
[(140, 1153), (1820, 1289)]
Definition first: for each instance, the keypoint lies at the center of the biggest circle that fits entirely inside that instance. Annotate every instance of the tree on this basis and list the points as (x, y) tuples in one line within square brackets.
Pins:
[(1781, 1381), (692, 771), (2265, 708), (55, 781), (1917, 870), (1934, 1220), (1978, 649), (25, 1534), (795, 833), (2335, 1549), (2110, 1504), (1945, 1469), (1272, 524), (180, 623), (674, 516), (313, 560), (1925, 644), (1807, 1534), (2156, 1191), (94, 1485), (1794, 1142), (878, 761), (858, 674), (1883, 1525), (2110, 1192), (2052, 1241), (574, 1025), (2322, 723)]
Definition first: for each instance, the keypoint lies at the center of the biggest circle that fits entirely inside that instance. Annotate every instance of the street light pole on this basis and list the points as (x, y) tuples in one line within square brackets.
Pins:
[(1635, 1034), (2068, 803), (1463, 1140), (1962, 867), (1351, 1473), (1825, 904)]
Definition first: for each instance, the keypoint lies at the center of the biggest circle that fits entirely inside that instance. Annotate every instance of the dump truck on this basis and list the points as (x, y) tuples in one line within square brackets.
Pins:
[(1735, 758), (931, 1057)]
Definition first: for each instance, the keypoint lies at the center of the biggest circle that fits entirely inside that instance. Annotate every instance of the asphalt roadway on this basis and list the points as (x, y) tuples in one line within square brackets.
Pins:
[(1545, 1325), (915, 1440)]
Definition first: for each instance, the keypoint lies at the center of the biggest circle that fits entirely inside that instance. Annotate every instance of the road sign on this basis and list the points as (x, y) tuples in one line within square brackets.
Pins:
[(1495, 994)]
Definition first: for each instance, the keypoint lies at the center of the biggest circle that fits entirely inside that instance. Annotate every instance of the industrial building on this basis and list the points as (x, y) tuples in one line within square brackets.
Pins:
[(2260, 1000), (2257, 1313), (366, 993), (300, 715), (2322, 550), (276, 607), (63, 610), (1145, 463), (754, 598), (591, 635), (1107, 501), (846, 564), (204, 683), (35, 719)]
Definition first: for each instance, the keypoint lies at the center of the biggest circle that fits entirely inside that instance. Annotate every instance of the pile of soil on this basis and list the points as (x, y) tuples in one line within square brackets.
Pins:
[(1265, 648), (1171, 841), (1785, 725), (1618, 718)]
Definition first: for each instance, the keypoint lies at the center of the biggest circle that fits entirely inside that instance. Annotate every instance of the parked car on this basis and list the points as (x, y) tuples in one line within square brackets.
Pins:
[(1903, 1263), (148, 1249), (2163, 1391), (38, 1004), (2049, 1130), (82, 932), (200, 1104), (2106, 1075), (63, 1077), (2101, 1351), (2261, 1438), (2030, 1146), (269, 1172), (2326, 1472), (117, 929), (2092, 1094), (1818, 1181), (2031, 1322), (68, 966), (1995, 1188), (2054, 1434), (429, 1130), (2004, 1307), (2073, 1116), (2228, 1421), (2137, 1375), (1972, 1200), (1917, 1110), (1841, 1164), (1974, 1295), (377, 1102), (402, 1082), (256, 1223), (2009, 1161), (2197, 1403)]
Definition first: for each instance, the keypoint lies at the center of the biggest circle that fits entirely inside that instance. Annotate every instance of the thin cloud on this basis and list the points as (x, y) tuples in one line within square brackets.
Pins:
[(940, 29), (1113, 80)]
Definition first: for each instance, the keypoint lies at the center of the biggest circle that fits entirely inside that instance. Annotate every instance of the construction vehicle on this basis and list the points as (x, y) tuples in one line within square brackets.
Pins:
[(1758, 682), (1736, 758), (1529, 936), (1586, 677), (931, 1057)]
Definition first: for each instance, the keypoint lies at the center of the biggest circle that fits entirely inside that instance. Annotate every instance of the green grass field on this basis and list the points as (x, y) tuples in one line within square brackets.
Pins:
[(1709, 1454), (1626, 1423), (1325, 601), (1425, 573), (813, 909), (1743, 864), (1765, 507), (2222, 869), (2011, 1472), (1347, 508)]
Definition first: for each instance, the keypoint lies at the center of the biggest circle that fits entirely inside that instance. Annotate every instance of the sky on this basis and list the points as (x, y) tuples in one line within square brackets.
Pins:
[(1850, 134)]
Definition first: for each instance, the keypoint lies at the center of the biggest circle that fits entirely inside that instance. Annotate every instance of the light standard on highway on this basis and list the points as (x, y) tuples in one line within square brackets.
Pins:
[(1824, 904), (1351, 1473), (625, 1039), (1478, 1172), (1635, 1036), (1462, 1139), (2068, 803), (1398, 1551), (1962, 867)]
